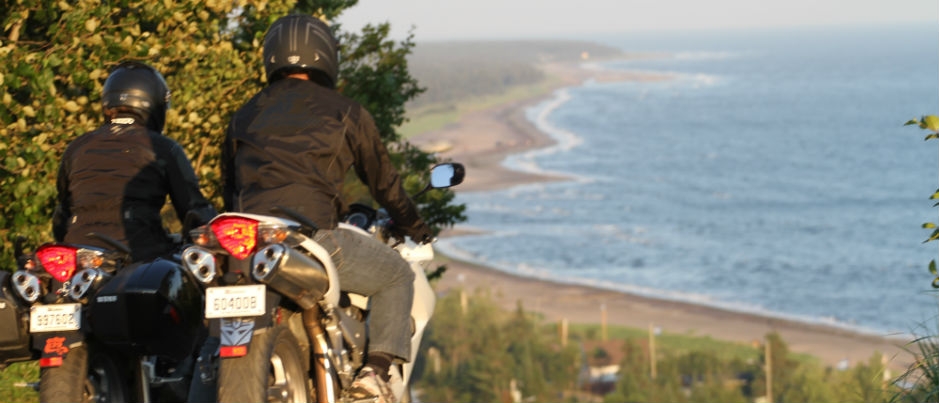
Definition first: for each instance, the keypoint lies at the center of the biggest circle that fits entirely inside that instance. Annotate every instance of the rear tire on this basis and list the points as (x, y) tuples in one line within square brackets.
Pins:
[(80, 379), (274, 370)]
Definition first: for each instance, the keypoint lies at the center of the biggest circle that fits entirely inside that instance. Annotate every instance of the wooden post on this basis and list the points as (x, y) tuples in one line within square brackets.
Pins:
[(463, 302), (564, 332), (434, 356), (769, 371), (887, 378), (652, 369)]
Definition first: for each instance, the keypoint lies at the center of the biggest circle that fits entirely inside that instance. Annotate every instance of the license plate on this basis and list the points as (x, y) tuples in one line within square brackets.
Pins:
[(55, 318), (234, 301)]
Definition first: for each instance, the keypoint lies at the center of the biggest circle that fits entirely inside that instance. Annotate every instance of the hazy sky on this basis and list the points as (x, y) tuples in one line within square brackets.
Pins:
[(507, 19)]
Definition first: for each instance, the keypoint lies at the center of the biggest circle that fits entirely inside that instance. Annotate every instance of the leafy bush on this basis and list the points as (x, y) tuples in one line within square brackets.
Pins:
[(920, 382), (57, 54)]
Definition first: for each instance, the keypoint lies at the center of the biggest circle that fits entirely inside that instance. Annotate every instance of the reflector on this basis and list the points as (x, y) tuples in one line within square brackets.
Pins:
[(232, 351), (50, 362)]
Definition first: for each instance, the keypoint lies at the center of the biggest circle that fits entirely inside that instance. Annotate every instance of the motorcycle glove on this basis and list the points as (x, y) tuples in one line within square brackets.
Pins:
[(422, 234)]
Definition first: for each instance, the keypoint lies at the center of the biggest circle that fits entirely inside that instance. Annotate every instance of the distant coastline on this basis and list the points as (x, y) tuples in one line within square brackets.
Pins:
[(484, 139)]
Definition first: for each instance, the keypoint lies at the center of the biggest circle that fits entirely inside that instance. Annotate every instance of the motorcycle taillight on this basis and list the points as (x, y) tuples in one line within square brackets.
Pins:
[(237, 235), (58, 260)]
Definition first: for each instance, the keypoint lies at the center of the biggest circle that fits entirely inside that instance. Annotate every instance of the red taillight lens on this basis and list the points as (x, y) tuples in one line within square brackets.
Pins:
[(58, 260), (237, 235)]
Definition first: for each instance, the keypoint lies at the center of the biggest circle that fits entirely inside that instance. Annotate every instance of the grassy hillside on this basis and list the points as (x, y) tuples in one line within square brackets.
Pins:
[(460, 77), (455, 71)]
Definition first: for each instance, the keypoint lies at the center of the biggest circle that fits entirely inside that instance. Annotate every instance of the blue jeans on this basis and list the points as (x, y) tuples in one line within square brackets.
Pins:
[(369, 267)]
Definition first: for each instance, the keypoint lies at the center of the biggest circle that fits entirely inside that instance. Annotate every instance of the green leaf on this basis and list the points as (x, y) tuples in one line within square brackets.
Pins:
[(53, 60), (931, 136), (930, 122), (932, 268), (933, 237), (912, 122), (929, 225)]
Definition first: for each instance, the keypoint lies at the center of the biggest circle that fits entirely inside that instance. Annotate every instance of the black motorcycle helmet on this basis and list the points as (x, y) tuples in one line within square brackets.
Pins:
[(301, 43), (137, 89)]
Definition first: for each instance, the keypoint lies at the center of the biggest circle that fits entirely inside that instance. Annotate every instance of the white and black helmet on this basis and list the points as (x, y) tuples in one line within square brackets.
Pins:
[(137, 88), (301, 43)]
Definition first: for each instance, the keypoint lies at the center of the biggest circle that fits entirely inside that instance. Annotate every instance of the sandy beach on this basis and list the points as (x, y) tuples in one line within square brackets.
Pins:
[(482, 139)]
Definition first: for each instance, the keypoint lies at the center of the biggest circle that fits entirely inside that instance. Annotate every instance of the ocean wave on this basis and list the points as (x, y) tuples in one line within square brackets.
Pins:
[(703, 80), (564, 140), (679, 66), (703, 55)]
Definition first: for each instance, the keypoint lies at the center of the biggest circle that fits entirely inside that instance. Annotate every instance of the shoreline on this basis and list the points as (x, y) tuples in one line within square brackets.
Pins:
[(584, 304), (482, 140)]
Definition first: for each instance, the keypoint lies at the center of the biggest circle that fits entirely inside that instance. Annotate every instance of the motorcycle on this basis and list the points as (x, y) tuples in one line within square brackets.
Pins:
[(286, 332), (105, 330)]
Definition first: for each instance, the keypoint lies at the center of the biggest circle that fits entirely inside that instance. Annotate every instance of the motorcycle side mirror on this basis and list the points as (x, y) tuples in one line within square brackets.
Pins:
[(445, 175)]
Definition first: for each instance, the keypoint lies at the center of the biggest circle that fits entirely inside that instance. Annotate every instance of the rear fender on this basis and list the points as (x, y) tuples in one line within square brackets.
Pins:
[(237, 332), (53, 347)]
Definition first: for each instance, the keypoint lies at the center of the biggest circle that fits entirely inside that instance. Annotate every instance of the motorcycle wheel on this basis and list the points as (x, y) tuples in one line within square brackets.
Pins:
[(272, 371), (82, 379)]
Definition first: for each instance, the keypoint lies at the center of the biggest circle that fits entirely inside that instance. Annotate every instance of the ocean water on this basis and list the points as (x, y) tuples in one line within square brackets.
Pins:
[(771, 174)]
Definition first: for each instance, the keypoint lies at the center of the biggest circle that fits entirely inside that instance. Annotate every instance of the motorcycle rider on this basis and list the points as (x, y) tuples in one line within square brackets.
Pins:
[(292, 145), (115, 179)]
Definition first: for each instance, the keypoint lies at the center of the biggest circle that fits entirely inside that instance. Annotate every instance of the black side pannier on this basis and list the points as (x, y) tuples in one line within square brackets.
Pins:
[(14, 326), (155, 308)]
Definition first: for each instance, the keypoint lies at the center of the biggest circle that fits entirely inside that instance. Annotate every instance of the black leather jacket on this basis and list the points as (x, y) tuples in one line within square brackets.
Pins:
[(115, 180), (292, 145)]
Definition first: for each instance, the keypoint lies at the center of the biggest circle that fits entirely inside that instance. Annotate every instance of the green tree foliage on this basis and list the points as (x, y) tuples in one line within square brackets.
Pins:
[(635, 382), (693, 376), (701, 376), (930, 123), (455, 72), (57, 54), (480, 349), (920, 383), (868, 381), (786, 380), (711, 379)]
